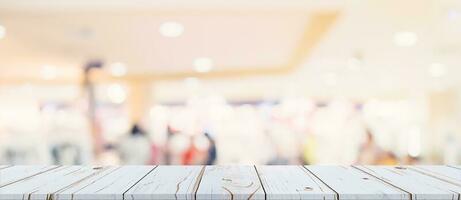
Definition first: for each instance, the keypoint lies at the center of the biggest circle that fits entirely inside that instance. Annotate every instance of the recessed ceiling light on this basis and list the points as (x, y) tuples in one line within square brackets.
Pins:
[(171, 29), (117, 69), (2, 31), (405, 38), (203, 64), (437, 70), (48, 72)]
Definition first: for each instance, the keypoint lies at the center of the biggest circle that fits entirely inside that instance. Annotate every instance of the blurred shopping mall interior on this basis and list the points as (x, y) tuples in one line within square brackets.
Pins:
[(230, 82)]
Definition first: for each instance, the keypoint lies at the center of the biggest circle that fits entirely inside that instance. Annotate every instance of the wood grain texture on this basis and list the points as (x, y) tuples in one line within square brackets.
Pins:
[(168, 182), (230, 182), (292, 182), (446, 173), (351, 183), (41, 186), (419, 185), (12, 174), (69, 191), (4, 166), (111, 183)]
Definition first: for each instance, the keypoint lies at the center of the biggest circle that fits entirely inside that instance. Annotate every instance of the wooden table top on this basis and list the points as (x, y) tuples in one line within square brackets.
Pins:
[(230, 182)]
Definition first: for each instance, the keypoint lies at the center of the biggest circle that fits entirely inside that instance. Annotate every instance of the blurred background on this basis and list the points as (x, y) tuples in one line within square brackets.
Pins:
[(230, 82)]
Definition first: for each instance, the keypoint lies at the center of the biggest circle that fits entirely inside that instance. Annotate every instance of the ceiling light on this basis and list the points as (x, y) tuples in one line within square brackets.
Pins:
[(437, 70), (405, 38), (48, 72), (2, 31), (117, 69), (171, 29), (203, 65)]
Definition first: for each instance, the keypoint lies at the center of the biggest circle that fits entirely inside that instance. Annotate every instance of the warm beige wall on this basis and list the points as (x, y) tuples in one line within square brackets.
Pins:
[(444, 127)]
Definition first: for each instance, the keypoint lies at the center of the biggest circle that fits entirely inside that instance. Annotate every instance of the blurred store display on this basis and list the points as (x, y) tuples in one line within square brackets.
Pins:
[(211, 130), (186, 82)]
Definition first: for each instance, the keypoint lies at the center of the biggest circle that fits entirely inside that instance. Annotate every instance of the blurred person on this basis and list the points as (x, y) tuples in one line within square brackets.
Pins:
[(308, 154), (170, 133), (189, 157), (157, 154), (387, 158), (135, 148), (369, 152), (21, 145), (212, 154), (202, 151), (109, 156), (410, 160), (68, 134), (278, 159), (286, 147), (66, 154), (177, 148)]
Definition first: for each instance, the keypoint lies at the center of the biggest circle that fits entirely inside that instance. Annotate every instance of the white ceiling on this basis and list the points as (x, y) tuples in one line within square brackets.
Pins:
[(47, 5), (231, 40), (235, 34), (368, 28)]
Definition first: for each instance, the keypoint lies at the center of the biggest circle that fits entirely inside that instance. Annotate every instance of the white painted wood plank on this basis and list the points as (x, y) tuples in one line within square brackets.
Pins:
[(351, 183), (68, 191), (292, 182), (4, 166), (167, 182), (12, 174), (109, 184), (42, 185), (230, 182), (446, 173), (419, 185)]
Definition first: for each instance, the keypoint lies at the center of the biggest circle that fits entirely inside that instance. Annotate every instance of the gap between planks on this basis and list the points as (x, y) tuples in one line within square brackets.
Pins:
[(201, 174), (29, 176), (5, 166), (456, 167), (434, 175), (309, 171), (384, 181), (123, 195), (197, 184), (259, 178)]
